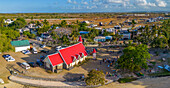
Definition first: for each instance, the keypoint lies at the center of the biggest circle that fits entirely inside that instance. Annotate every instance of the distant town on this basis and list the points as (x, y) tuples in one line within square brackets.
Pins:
[(83, 49)]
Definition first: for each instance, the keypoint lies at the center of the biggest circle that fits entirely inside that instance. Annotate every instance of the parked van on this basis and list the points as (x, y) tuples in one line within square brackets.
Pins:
[(25, 65), (34, 50)]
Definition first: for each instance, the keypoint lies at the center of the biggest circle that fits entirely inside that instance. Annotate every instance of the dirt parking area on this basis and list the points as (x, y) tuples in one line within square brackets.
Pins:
[(76, 72), (65, 74)]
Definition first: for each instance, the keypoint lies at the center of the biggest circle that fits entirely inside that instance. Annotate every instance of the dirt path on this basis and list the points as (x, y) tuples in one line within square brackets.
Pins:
[(44, 83)]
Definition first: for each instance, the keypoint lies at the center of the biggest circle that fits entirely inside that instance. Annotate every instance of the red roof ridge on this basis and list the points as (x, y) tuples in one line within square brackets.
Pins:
[(67, 54), (52, 54), (69, 46)]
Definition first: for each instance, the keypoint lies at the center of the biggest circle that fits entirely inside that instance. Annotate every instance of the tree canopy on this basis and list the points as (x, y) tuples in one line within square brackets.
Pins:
[(134, 58), (18, 23), (155, 36), (95, 78)]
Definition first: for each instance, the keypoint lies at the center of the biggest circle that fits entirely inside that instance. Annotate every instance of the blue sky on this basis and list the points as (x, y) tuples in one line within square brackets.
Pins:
[(60, 6)]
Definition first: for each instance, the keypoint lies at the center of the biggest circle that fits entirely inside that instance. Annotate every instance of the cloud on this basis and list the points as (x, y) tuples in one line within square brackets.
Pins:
[(119, 4), (151, 4), (113, 1), (69, 1), (161, 3), (146, 3), (84, 2), (72, 1)]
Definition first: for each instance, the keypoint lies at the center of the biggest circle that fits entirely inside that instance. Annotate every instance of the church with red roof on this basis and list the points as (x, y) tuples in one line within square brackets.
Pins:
[(66, 57)]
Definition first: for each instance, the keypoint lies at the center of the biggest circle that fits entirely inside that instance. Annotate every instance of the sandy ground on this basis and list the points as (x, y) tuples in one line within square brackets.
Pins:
[(162, 82)]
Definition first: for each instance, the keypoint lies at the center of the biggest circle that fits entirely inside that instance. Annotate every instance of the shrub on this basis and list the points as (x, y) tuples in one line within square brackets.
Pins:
[(49, 71), (127, 79), (95, 78), (154, 63), (157, 53)]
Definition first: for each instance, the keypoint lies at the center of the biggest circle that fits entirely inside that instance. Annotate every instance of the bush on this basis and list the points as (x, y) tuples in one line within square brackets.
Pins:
[(49, 71), (125, 80), (161, 74), (154, 63), (95, 78), (157, 53)]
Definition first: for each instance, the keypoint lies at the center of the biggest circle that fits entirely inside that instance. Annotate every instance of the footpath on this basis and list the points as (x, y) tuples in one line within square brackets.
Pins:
[(45, 83)]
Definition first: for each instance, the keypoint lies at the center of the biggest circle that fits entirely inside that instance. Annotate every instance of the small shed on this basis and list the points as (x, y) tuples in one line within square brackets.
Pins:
[(20, 45)]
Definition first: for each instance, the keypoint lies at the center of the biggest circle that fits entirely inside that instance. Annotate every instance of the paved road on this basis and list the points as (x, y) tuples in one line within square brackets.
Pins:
[(57, 19), (44, 83)]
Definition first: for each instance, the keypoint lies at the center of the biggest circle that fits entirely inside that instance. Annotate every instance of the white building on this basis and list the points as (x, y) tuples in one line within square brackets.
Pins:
[(20, 45), (8, 21)]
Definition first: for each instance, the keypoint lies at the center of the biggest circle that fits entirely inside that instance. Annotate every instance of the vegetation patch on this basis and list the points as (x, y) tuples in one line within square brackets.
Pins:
[(95, 78), (127, 79), (160, 74)]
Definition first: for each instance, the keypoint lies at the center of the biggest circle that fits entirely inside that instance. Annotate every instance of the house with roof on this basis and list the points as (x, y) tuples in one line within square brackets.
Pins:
[(66, 58), (8, 21), (126, 35), (87, 22), (45, 35), (100, 39), (20, 45)]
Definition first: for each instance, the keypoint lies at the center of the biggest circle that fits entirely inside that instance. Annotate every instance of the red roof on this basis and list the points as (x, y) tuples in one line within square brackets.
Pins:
[(80, 39), (68, 52), (94, 51), (55, 59)]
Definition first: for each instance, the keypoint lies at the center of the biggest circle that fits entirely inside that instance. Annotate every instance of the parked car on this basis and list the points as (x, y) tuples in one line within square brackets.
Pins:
[(39, 62), (25, 65), (6, 56), (42, 58), (32, 64), (45, 51), (34, 50), (42, 46), (39, 39), (10, 58), (58, 47), (26, 52)]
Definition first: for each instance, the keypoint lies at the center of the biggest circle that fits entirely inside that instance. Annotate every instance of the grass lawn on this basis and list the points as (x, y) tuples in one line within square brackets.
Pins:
[(127, 79), (160, 74)]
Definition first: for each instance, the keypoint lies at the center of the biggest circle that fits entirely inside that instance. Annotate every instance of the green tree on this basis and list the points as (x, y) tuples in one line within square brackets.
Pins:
[(95, 78), (65, 39), (134, 58), (19, 23), (45, 22), (2, 23), (5, 43), (10, 33), (63, 23), (133, 23), (28, 34)]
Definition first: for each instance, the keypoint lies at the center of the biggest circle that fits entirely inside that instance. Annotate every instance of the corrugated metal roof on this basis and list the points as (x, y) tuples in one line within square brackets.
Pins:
[(20, 43)]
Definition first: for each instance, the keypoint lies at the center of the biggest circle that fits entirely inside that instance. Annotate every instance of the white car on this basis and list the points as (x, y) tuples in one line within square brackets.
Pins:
[(10, 58), (25, 65), (26, 52), (57, 48)]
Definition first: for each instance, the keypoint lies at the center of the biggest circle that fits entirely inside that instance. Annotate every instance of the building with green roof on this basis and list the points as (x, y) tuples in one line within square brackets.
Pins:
[(20, 45)]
